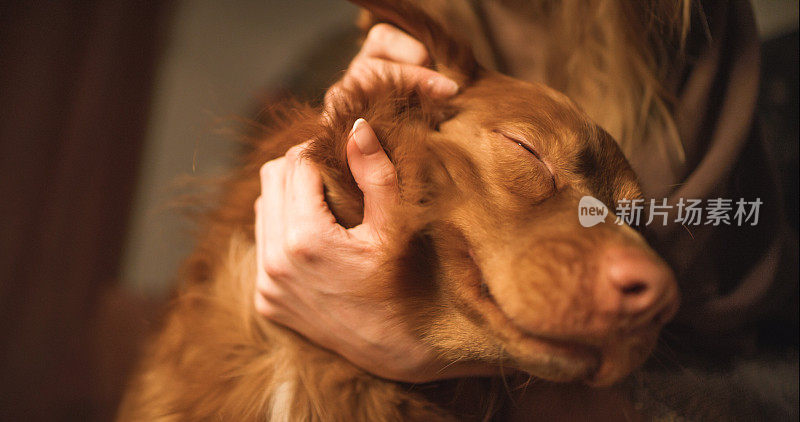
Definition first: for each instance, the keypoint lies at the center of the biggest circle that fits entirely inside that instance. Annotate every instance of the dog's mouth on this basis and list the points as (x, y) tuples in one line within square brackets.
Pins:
[(547, 357), (554, 359), (586, 359), (595, 359)]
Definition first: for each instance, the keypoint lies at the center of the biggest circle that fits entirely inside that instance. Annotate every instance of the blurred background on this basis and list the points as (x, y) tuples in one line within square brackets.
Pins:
[(109, 106)]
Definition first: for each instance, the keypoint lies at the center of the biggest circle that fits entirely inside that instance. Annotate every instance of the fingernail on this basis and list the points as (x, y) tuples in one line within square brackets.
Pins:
[(366, 143), (441, 86)]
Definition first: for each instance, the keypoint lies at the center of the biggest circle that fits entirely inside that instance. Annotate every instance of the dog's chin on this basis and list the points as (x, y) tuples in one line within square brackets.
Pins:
[(574, 361), (573, 366), (555, 361), (542, 357), (565, 362), (622, 356), (602, 363)]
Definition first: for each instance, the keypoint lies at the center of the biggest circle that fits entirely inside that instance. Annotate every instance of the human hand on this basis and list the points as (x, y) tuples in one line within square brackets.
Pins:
[(388, 52), (314, 275)]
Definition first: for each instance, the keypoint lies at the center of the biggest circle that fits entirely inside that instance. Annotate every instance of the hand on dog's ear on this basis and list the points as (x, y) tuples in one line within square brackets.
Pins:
[(390, 54), (450, 55), (375, 176)]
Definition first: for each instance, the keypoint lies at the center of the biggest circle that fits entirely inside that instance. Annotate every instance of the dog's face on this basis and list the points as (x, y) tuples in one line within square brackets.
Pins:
[(523, 284), (488, 252)]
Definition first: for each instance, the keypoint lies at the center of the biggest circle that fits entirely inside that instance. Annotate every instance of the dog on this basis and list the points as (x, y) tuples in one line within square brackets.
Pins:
[(485, 250)]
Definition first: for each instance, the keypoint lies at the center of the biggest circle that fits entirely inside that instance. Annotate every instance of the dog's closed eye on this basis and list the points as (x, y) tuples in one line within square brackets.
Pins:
[(530, 149)]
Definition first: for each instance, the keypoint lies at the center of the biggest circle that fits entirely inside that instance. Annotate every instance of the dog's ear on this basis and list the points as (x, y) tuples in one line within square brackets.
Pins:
[(450, 55)]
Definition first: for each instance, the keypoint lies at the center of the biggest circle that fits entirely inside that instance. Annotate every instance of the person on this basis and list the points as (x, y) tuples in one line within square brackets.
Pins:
[(696, 140)]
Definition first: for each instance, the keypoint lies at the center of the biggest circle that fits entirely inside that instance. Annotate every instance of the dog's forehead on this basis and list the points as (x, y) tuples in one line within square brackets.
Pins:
[(578, 150), (531, 111), (505, 97)]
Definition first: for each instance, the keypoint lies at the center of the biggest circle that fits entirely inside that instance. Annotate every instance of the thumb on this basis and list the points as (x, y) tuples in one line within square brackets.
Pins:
[(374, 173)]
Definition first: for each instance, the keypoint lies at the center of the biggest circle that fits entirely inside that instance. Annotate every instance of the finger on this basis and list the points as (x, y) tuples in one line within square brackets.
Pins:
[(307, 216), (388, 42), (271, 209), (374, 173), (290, 205), (306, 196), (292, 156), (365, 71), (273, 181), (261, 275), (272, 176)]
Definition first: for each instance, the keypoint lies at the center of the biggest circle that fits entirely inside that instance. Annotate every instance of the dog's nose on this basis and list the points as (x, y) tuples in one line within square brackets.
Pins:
[(637, 287)]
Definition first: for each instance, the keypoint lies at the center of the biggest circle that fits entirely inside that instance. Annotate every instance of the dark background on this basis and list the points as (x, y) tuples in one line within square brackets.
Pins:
[(104, 103)]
